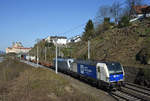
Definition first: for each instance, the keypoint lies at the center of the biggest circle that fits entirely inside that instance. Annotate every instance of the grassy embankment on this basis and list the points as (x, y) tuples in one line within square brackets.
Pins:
[(21, 82)]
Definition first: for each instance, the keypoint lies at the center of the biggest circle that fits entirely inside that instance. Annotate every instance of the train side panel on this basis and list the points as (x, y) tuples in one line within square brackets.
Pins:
[(87, 70)]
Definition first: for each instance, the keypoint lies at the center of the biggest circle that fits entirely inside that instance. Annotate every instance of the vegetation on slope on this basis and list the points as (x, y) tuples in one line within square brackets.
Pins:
[(128, 45), (120, 40), (118, 44), (42, 45)]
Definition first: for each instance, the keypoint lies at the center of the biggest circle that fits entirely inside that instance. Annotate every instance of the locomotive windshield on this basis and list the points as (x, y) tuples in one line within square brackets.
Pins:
[(114, 68)]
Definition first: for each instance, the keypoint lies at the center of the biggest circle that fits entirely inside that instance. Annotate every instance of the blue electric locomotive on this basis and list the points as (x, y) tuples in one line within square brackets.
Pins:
[(104, 74)]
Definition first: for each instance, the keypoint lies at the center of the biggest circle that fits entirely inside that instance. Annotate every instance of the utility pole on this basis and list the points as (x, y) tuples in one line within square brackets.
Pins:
[(37, 53), (29, 57), (37, 56), (45, 53), (20, 56), (56, 58), (88, 49), (59, 51), (20, 53)]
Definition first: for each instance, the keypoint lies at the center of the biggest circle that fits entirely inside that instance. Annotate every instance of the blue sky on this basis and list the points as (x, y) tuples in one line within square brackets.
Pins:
[(27, 20)]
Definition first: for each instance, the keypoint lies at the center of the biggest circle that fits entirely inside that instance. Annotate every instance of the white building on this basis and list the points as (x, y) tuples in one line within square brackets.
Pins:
[(17, 48), (74, 39), (57, 39)]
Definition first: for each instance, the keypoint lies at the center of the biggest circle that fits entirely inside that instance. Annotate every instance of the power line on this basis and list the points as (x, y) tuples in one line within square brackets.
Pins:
[(72, 29), (79, 26)]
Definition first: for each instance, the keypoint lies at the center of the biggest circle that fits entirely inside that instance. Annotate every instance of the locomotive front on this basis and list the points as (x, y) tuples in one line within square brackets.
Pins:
[(116, 74)]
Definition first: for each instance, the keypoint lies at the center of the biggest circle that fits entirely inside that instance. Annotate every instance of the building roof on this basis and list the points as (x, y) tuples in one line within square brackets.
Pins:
[(59, 37), (18, 48), (21, 48), (139, 9), (18, 45)]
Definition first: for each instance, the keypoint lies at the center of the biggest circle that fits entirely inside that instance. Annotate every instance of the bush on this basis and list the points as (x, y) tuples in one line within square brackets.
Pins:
[(143, 77), (124, 22), (147, 31), (106, 20), (144, 56), (89, 30), (106, 25), (148, 18)]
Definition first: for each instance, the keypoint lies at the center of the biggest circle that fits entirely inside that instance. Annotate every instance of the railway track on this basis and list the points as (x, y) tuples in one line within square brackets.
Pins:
[(132, 92), (124, 96)]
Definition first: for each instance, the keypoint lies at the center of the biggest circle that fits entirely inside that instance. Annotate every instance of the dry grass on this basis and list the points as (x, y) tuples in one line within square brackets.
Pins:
[(21, 82), (120, 44)]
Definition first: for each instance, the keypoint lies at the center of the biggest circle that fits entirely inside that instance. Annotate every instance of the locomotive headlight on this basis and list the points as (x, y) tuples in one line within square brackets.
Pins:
[(115, 76)]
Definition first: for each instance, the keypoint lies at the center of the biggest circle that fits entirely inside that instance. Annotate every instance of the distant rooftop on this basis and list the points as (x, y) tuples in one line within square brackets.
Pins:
[(140, 9), (60, 37)]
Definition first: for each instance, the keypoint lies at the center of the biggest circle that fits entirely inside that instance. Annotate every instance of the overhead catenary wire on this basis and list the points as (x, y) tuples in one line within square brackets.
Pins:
[(74, 28), (79, 26)]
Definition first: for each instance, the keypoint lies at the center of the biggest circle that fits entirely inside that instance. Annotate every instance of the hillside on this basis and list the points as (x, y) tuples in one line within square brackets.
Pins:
[(117, 44), (128, 45)]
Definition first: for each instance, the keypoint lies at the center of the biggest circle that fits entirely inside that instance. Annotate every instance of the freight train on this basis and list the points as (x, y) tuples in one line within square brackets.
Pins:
[(109, 75), (34, 60)]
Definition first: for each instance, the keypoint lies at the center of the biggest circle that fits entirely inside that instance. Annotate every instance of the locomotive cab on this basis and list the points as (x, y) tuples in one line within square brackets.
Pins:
[(116, 74), (111, 73), (102, 73)]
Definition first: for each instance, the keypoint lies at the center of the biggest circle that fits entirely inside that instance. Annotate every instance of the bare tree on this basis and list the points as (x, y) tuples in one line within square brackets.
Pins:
[(131, 3), (116, 10), (103, 12)]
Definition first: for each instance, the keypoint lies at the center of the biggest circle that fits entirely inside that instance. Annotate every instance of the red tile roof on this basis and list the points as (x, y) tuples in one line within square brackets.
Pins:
[(21, 48), (138, 9)]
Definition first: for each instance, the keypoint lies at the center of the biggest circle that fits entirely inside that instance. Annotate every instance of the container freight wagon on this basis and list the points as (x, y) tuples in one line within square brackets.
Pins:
[(23, 57), (64, 64)]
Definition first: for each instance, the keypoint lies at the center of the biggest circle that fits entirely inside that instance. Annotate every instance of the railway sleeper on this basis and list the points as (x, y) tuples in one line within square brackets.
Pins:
[(135, 94), (118, 97), (140, 90), (138, 86)]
